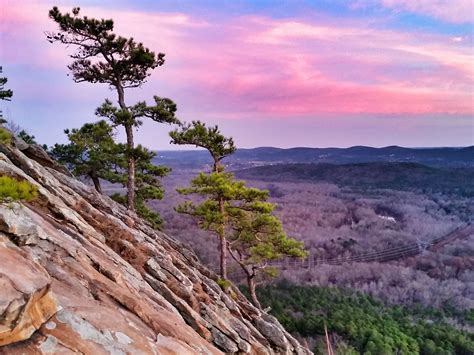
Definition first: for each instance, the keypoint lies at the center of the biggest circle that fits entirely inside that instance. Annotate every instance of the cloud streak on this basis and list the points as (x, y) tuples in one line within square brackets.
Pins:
[(456, 11)]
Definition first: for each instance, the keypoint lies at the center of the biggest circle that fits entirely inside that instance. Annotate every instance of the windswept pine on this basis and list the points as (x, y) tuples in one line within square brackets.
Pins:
[(103, 57), (215, 186), (92, 152), (258, 238), (238, 215)]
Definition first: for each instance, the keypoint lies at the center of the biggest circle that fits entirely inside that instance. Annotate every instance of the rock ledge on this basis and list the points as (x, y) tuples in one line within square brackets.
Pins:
[(80, 274)]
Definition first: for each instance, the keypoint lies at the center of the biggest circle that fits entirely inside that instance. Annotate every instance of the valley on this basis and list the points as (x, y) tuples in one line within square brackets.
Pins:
[(342, 212)]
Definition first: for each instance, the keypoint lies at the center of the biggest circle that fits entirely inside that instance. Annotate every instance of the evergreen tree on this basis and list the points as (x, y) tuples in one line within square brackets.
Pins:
[(218, 186), (209, 138), (5, 94), (104, 57), (148, 183), (365, 324), (91, 152), (26, 137), (230, 208), (258, 237)]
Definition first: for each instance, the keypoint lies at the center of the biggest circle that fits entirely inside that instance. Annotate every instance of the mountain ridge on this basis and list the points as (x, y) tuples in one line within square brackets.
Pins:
[(381, 174), (441, 157)]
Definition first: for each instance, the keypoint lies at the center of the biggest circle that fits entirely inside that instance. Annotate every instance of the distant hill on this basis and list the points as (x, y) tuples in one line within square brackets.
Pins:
[(387, 175), (438, 157), (361, 154)]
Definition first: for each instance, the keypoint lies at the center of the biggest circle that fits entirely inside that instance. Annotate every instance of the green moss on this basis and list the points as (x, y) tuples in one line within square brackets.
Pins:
[(12, 190), (5, 136), (228, 287), (224, 284)]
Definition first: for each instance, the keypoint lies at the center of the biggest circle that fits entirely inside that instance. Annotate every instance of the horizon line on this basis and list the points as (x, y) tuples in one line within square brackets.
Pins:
[(303, 147)]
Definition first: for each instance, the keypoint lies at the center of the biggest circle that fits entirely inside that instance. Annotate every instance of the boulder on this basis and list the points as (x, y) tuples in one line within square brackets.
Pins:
[(26, 299)]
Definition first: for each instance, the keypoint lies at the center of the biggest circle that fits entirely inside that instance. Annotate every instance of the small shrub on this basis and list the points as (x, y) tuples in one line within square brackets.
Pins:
[(5, 136), (224, 284), (12, 190)]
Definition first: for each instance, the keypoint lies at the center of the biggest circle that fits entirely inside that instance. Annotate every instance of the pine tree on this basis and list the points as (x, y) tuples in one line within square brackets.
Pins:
[(217, 186), (5, 94), (91, 152), (148, 184), (233, 210), (209, 138), (103, 57), (258, 237), (26, 137)]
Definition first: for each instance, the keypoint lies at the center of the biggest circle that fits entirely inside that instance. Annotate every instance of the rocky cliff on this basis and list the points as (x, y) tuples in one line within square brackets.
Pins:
[(80, 274)]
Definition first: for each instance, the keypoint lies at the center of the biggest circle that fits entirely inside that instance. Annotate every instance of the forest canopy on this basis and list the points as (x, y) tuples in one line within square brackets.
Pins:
[(361, 324)]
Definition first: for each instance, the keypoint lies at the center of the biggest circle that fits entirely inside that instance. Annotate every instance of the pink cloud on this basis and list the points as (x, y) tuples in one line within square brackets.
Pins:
[(259, 66), (289, 67)]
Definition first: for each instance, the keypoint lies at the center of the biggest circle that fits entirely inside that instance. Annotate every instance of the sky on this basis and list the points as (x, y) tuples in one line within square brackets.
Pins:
[(321, 73)]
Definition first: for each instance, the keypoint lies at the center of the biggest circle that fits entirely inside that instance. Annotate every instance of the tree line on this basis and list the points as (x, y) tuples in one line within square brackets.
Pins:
[(359, 324), (238, 215)]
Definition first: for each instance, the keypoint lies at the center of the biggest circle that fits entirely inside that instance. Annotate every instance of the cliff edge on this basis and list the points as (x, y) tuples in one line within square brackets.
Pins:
[(80, 274)]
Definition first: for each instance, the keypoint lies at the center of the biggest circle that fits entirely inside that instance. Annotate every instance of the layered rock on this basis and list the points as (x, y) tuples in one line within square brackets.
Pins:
[(79, 273)]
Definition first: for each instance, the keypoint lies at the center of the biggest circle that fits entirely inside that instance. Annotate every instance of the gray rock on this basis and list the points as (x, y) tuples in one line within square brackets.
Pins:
[(155, 269), (15, 221), (273, 333), (224, 342)]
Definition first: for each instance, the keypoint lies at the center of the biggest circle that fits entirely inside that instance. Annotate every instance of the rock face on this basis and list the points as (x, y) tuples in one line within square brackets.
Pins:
[(80, 274)]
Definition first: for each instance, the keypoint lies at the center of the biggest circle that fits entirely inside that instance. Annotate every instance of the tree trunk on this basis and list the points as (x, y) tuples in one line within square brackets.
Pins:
[(131, 169), (223, 240), (250, 279), (215, 167), (96, 182), (252, 290), (131, 158), (223, 258), (223, 244)]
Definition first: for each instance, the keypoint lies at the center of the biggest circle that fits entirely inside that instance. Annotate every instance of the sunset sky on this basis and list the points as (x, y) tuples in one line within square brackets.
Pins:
[(270, 73)]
